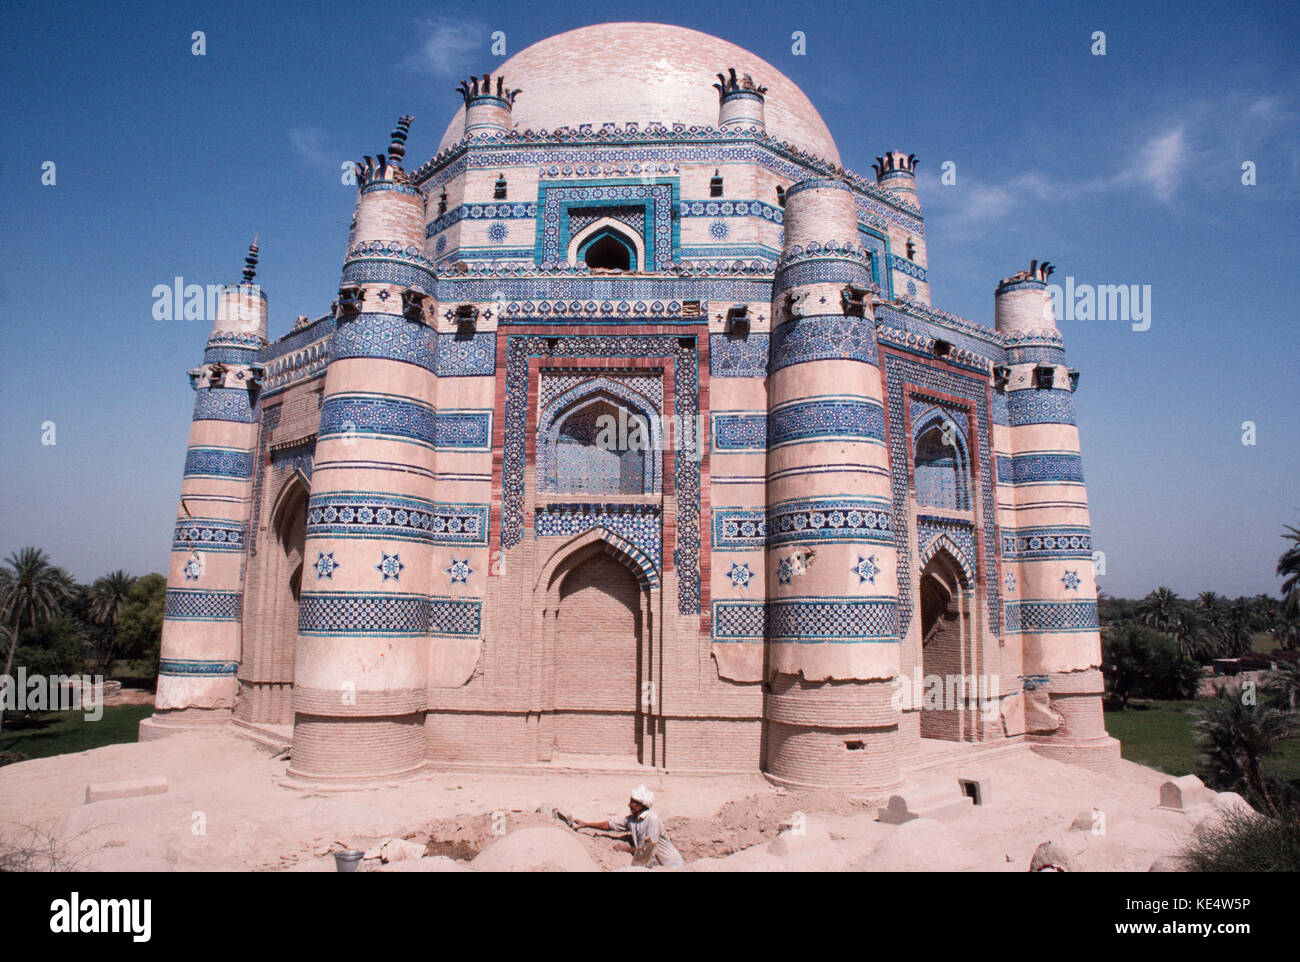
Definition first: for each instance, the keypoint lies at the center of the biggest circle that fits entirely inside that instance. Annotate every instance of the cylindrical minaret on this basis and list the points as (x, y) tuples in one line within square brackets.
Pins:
[(740, 101), (201, 618), (896, 172), (361, 658), (907, 266), (832, 624), (1051, 596), (487, 110)]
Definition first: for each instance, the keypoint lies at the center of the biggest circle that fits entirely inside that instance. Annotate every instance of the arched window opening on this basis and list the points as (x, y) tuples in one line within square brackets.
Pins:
[(609, 251), (600, 449), (940, 469)]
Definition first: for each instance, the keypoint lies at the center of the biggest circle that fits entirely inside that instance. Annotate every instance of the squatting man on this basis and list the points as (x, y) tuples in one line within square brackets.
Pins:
[(650, 842)]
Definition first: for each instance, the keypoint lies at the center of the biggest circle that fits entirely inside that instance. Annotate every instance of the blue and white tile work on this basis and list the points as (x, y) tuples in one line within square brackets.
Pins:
[(798, 466)]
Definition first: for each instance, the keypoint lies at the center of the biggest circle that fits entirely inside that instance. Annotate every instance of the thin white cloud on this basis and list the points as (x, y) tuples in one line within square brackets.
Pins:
[(967, 208), (1163, 159), (307, 141), (449, 47)]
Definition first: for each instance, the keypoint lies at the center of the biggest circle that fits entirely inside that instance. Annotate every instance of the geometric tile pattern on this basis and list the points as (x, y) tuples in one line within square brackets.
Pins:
[(822, 338), (459, 571), (463, 430), (739, 528), (557, 200), (851, 419), (639, 524), (472, 356), (521, 348), (212, 534), (866, 569), (218, 463), (390, 566), (196, 668), (907, 267), (739, 620), (388, 615), (956, 537), (905, 376), (361, 615), (388, 336), (376, 415), (1041, 617), (1035, 406), (739, 432), (738, 356), (732, 208), (1048, 541), (832, 619), (224, 404), (830, 521), (455, 617), (740, 575), (1053, 468), (193, 604), (385, 516), (508, 211)]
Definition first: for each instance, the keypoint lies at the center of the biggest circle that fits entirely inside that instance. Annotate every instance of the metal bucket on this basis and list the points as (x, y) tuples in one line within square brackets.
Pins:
[(348, 859)]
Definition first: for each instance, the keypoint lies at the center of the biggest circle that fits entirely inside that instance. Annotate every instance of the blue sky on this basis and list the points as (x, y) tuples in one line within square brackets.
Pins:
[(1121, 169)]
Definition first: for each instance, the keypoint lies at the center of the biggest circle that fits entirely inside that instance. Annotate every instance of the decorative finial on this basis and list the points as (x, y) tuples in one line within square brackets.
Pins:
[(476, 87), (894, 162), (250, 262), (1038, 271), (397, 148), (729, 84)]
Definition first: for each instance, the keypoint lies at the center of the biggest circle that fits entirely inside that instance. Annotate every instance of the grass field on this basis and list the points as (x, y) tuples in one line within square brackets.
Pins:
[(1161, 734), (62, 732)]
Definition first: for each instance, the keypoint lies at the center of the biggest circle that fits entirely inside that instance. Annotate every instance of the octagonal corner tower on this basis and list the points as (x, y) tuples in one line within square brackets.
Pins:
[(631, 438)]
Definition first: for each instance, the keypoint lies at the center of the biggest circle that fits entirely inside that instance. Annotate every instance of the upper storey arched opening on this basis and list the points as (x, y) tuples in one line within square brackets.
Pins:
[(645, 72)]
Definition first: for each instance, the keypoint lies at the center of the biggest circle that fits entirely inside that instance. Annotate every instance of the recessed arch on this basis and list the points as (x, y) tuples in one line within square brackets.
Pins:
[(599, 437), (955, 555), (940, 460), (599, 538), (608, 231)]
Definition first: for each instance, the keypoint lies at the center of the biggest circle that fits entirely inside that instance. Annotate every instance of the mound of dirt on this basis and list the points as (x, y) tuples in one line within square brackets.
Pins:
[(753, 820), (538, 849)]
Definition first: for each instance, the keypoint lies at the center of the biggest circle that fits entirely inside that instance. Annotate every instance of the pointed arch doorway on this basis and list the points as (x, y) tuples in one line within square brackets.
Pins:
[(948, 661), (601, 664)]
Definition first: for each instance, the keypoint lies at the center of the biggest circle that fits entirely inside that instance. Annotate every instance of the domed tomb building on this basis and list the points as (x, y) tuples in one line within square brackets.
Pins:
[(632, 433)]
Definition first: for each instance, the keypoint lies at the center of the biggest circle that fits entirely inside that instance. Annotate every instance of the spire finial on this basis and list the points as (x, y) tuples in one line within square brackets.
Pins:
[(250, 262), (397, 148)]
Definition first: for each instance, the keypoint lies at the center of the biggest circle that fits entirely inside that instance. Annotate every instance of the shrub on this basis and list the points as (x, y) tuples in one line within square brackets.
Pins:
[(1248, 842)]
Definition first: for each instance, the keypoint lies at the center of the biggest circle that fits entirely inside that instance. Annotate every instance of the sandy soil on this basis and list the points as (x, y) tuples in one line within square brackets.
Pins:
[(226, 809)]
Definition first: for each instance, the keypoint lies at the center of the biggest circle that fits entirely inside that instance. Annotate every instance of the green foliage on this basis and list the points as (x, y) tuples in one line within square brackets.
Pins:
[(1142, 663), (1245, 842), (1236, 738), (54, 647), (139, 625), (62, 732)]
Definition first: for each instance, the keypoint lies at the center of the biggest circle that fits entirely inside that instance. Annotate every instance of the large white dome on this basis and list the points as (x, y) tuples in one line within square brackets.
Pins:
[(645, 72)]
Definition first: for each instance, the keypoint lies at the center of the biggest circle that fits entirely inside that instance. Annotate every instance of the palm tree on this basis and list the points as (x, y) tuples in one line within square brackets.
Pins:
[(1237, 737), (1237, 629), (1288, 566), (107, 596), (1186, 631), (1158, 608), (1286, 682), (31, 589)]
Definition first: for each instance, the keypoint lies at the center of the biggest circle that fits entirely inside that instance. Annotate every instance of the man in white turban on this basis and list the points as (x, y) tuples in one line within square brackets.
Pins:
[(650, 842)]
